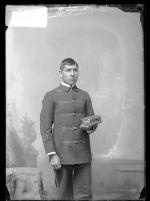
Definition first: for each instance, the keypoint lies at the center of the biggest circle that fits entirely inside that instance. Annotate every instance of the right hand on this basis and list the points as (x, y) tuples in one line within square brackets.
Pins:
[(55, 161)]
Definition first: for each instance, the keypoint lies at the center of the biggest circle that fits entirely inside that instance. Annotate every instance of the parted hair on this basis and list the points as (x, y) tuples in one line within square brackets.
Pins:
[(68, 61)]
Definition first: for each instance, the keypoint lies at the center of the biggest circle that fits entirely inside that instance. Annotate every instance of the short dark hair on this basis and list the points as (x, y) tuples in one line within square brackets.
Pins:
[(68, 61)]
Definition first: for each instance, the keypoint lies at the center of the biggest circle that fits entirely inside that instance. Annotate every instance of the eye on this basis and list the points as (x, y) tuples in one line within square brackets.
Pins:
[(68, 70), (76, 70)]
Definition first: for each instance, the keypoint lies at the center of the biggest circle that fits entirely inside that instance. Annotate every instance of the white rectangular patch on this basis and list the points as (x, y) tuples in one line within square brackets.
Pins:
[(27, 16)]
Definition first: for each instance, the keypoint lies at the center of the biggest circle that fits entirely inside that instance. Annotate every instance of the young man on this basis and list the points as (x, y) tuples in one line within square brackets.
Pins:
[(66, 144)]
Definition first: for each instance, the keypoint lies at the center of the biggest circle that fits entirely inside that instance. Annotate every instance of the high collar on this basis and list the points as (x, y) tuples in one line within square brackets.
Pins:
[(67, 87)]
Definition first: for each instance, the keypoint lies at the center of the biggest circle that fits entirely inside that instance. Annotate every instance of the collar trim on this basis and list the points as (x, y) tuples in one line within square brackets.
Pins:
[(67, 87)]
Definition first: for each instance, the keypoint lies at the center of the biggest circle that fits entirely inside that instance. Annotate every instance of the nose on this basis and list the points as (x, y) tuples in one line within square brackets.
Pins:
[(72, 73)]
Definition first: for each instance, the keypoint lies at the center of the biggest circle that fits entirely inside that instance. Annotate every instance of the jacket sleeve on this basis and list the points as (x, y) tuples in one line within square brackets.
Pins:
[(46, 123), (89, 112)]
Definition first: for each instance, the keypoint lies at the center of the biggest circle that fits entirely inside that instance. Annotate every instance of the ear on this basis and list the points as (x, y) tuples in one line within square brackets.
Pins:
[(60, 73)]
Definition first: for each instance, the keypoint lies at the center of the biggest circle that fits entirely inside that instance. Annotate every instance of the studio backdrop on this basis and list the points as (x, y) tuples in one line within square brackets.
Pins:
[(107, 44)]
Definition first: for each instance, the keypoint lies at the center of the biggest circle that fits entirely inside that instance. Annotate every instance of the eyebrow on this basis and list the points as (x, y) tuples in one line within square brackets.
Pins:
[(68, 68)]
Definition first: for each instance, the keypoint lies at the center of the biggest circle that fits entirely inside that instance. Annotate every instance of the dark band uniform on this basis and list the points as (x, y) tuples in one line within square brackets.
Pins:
[(60, 117)]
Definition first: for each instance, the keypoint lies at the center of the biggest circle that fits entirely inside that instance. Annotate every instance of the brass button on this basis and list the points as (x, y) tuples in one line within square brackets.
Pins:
[(75, 142), (74, 114), (74, 128)]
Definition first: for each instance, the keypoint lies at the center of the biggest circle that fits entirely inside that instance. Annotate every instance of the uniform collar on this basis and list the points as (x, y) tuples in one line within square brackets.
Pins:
[(67, 87)]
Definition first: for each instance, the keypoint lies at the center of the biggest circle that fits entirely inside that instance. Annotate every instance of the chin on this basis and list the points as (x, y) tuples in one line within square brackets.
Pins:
[(71, 83)]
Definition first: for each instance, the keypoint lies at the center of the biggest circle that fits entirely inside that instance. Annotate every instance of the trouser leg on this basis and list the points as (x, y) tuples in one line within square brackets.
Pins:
[(82, 182), (63, 180)]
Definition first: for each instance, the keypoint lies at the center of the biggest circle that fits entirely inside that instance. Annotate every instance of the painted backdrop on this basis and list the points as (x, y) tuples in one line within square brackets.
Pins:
[(108, 46)]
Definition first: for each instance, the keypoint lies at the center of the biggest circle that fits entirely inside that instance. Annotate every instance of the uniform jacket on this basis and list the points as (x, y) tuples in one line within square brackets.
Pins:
[(62, 109)]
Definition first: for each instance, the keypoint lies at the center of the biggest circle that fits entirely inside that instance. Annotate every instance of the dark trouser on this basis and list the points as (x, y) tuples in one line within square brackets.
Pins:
[(74, 182)]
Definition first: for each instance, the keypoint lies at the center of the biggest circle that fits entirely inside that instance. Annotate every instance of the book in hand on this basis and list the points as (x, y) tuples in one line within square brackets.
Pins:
[(90, 121)]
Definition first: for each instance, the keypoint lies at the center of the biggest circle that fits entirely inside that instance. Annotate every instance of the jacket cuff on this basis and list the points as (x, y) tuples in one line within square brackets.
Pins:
[(51, 153)]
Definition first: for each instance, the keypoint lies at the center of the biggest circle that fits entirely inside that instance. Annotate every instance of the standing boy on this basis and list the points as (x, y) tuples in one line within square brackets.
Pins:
[(66, 144)]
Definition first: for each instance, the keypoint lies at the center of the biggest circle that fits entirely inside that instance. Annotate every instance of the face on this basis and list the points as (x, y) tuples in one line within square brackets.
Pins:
[(69, 74)]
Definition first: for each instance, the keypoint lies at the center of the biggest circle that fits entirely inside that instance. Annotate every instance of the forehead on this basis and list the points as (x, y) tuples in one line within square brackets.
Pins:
[(70, 67)]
